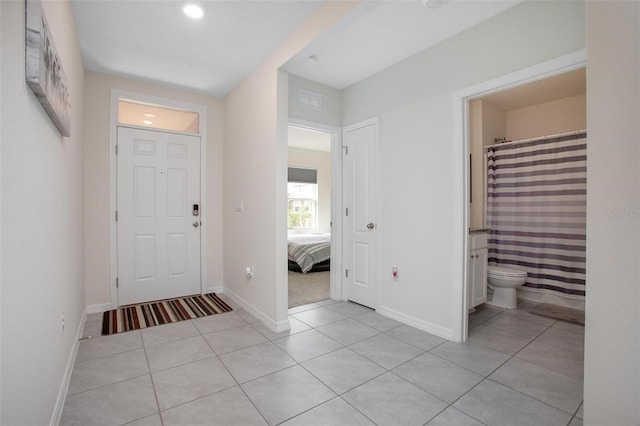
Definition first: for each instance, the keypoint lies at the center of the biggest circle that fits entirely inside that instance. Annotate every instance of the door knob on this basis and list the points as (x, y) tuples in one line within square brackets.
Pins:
[(196, 224), (370, 225)]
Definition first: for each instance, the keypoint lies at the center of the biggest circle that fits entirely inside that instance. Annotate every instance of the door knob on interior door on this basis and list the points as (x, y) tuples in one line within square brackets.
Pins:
[(196, 224), (370, 225)]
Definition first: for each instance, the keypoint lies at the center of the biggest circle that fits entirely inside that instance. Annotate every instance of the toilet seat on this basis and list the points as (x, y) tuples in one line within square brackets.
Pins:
[(505, 272)]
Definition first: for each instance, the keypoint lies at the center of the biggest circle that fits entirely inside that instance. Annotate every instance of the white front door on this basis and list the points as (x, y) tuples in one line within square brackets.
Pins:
[(360, 203), (158, 215)]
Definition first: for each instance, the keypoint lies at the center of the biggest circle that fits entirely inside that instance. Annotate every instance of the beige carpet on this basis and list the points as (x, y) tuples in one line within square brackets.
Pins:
[(308, 288)]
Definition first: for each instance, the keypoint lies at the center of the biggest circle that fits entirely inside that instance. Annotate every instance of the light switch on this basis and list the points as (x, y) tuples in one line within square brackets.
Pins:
[(239, 206)]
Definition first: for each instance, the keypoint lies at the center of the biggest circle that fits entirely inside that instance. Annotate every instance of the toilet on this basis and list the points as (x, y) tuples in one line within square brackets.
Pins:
[(505, 282)]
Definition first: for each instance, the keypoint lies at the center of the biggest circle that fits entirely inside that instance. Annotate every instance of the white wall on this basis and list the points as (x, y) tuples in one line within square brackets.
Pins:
[(255, 159), (414, 100), (97, 157), (548, 118), (331, 116), (612, 341), (42, 221), (321, 161)]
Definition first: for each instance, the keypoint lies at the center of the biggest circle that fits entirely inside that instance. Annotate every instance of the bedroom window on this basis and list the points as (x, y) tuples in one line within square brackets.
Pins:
[(302, 194)]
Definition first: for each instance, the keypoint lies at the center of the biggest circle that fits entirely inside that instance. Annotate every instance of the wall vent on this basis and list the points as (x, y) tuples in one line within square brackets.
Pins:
[(311, 100)]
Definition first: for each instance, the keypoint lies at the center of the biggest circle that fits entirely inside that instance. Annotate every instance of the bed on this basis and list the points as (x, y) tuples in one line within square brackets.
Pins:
[(309, 252)]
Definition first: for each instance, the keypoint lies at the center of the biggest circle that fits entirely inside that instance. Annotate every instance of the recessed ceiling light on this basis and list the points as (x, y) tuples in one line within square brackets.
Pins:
[(149, 115), (193, 11), (148, 122)]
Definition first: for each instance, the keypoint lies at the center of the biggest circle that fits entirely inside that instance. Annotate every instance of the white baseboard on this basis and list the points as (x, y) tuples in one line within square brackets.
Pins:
[(445, 333), (64, 387), (99, 308), (544, 297), (274, 326), (217, 290)]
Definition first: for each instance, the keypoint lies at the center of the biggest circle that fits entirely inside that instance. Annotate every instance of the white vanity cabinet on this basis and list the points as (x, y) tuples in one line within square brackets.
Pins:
[(479, 255)]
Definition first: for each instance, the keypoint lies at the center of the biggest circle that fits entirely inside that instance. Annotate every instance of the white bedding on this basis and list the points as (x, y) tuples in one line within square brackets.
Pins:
[(308, 249)]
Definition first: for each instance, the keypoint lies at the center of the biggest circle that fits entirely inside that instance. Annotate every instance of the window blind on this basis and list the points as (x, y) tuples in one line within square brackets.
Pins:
[(303, 175)]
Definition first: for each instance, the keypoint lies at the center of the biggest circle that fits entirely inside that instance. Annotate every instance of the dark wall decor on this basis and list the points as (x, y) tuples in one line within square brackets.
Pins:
[(44, 72)]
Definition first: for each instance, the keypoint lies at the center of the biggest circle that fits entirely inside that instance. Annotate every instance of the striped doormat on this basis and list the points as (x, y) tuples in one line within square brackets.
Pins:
[(134, 317)]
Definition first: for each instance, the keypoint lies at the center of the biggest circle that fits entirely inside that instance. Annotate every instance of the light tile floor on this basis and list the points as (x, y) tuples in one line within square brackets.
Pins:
[(340, 364)]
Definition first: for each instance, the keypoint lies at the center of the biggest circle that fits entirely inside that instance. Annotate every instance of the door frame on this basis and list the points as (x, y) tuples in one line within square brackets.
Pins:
[(335, 283), (378, 206), (461, 99), (116, 96)]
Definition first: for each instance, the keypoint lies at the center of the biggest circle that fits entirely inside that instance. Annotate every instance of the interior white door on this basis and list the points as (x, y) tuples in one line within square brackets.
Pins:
[(157, 219), (360, 203)]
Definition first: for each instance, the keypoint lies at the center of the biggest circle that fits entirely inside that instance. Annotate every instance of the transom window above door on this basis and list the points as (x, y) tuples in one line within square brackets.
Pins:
[(158, 117)]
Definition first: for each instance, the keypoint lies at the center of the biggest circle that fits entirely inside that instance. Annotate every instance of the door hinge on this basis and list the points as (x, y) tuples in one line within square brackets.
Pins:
[(116, 149), (346, 150), (346, 273), (117, 282), (346, 211), (116, 215)]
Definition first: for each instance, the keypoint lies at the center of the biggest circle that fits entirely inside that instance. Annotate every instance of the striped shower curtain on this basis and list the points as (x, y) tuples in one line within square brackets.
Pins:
[(536, 211)]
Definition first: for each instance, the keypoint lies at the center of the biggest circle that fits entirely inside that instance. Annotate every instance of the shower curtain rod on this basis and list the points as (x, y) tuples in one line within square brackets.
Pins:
[(575, 132)]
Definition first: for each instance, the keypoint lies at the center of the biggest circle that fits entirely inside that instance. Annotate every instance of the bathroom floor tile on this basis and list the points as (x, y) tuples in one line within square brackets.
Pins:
[(441, 378), (120, 403), (343, 369), (153, 420), (218, 322), (93, 326), (108, 345), (168, 333), (109, 369), (349, 309), (377, 321), (379, 400), (495, 404), (232, 339), (515, 325), (348, 331), (319, 316), (453, 417), (471, 356), (228, 407), (499, 340), (302, 391), (569, 327), (307, 345), (335, 412), (570, 341), (554, 358), (555, 389), (256, 361), (246, 316), (296, 326), (576, 422), (191, 381), (178, 352), (386, 351), (415, 337)]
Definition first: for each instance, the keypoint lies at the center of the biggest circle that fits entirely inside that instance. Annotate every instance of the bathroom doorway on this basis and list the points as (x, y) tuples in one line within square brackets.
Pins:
[(514, 107)]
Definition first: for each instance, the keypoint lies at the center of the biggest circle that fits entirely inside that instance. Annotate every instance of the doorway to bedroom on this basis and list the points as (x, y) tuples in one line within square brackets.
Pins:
[(310, 206)]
